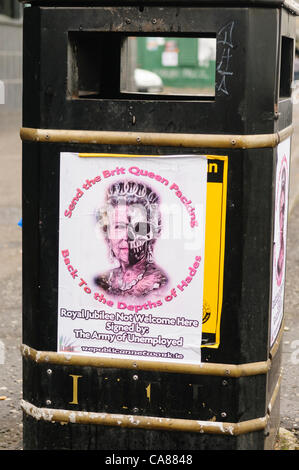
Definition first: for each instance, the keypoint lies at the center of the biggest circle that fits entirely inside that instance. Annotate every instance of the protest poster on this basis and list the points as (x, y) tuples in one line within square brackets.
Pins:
[(280, 236), (132, 246)]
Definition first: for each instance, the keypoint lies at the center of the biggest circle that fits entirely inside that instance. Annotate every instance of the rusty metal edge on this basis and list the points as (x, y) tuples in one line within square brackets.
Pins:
[(150, 422), (291, 5), (152, 139), (274, 394), (143, 422), (215, 369)]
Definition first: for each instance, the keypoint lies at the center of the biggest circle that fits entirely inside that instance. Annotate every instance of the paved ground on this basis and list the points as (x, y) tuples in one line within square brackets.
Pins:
[(10, 288)]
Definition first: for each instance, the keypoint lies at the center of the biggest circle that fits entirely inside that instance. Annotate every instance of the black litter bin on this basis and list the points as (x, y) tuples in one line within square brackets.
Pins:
[(108, 371)]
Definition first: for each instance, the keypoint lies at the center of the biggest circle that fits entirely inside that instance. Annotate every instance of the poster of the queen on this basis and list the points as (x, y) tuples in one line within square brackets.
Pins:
[(131, 256)]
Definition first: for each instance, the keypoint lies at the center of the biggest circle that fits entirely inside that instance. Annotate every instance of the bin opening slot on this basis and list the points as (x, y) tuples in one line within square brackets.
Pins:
[(286, 67), (162, 65), (93, 65), (114, 66)]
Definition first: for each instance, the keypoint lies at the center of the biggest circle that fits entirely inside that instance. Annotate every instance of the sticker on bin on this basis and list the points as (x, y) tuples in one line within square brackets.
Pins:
[(280, 236), (141, 255)]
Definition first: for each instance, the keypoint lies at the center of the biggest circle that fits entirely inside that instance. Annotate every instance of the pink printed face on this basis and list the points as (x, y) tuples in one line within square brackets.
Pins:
[(118, 232), (121, 219)]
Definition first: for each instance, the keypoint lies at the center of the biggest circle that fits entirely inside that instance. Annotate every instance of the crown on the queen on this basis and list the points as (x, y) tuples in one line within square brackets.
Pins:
[(132, 189)]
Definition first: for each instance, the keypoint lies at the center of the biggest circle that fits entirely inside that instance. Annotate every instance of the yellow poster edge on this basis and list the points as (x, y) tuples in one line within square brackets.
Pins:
[(222, 249)]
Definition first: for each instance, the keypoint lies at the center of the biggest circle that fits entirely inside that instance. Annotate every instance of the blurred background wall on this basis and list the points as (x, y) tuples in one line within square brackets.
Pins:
[(11, 12)]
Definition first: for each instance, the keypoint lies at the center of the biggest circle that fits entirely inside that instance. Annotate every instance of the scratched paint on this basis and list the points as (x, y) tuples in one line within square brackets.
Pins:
[(223, 68)]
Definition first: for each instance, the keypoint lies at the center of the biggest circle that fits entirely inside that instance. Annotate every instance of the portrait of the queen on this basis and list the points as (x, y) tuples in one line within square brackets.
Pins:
[(131, 223)]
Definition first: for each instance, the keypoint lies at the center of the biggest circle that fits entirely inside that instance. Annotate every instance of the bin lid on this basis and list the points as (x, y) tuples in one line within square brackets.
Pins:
[(292, 5)]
